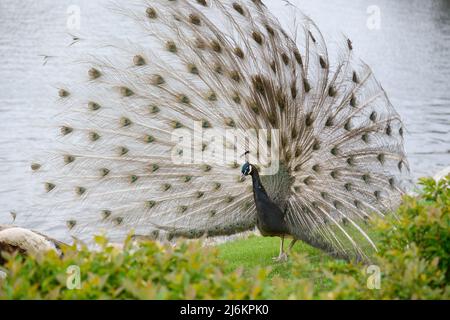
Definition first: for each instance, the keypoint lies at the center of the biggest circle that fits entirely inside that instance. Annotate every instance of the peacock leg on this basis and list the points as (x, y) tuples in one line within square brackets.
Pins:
[(291, 245), (282, 257)]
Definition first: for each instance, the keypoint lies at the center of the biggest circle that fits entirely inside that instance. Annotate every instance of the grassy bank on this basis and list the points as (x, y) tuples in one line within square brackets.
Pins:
[(413, 262), (257, 252)]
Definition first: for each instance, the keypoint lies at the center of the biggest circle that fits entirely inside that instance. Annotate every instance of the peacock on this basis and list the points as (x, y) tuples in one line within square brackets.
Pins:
[(161, 132)]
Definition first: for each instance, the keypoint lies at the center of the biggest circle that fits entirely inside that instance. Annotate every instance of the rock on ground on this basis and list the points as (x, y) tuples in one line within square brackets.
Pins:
[(15, 239)]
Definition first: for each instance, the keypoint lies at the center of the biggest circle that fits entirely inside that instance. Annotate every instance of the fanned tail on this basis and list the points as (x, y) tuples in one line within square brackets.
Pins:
[(219, 66)]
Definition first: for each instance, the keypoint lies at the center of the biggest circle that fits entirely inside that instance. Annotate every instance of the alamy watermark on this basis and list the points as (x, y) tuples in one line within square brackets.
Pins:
[(211, 146), (374, 18), (374, 278), (73, 281), (73, 18)]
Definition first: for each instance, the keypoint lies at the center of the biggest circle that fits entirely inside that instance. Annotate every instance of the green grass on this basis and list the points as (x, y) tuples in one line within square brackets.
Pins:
[(255, 251), (413, 256)]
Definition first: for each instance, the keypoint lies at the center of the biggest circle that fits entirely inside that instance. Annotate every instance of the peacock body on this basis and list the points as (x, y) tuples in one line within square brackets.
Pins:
[(332, 155)]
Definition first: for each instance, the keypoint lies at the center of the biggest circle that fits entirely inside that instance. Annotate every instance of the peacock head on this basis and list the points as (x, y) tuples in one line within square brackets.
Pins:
[(247, 169)]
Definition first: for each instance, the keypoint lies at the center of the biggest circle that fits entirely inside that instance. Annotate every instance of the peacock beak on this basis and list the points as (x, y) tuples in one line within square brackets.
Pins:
[(242, 177)]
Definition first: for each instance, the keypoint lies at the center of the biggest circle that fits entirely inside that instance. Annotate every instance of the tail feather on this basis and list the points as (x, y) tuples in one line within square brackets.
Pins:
[(222, 65)]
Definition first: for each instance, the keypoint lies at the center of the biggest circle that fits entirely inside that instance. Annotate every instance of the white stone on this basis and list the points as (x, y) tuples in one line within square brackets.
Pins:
[(27, 240), (442, 174)]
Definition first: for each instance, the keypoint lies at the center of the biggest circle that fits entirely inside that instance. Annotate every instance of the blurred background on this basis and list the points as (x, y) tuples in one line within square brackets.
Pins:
[(406, 42)]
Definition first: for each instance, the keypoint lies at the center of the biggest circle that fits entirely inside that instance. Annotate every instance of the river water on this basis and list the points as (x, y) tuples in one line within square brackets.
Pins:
[(406, 42)]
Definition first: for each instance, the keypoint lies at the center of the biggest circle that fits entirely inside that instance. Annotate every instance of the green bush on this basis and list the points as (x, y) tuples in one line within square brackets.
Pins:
[(413, 253), (146, 271), (413, 258)]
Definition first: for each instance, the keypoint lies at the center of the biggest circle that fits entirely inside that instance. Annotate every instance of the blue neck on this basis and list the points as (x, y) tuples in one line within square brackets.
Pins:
[(258, 188)]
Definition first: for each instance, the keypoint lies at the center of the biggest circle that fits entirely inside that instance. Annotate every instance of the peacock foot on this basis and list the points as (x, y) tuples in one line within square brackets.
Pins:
[(283, 257)]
